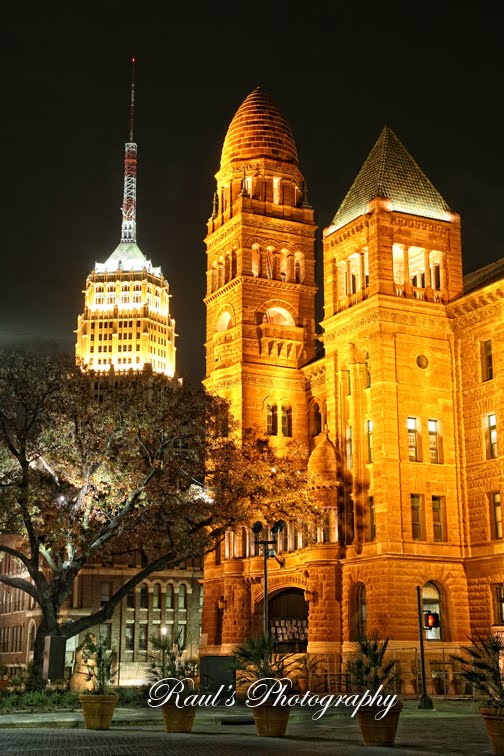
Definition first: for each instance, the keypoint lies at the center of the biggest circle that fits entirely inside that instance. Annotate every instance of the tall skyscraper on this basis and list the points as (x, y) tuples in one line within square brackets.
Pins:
[(126, 323)]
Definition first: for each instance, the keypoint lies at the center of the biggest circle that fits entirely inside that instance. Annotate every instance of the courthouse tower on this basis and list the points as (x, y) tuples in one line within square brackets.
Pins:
[(260, 274), (126, 323)]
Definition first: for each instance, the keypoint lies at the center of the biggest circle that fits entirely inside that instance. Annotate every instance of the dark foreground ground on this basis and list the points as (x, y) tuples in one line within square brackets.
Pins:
[(453, 727)]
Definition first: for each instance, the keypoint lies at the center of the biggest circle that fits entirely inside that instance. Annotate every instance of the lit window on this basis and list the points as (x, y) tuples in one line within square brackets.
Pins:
[(438, 518), (498, 597), (105, 634), (317, 420), (492, 436), (431, 602), (358, 610), (182, 598), (433, 441), (169, 597), (367, 382), (156, 596), (287, 421), (486, 360), (372, 521), (142, 636), (105, 593), (496, 515), (416, 517), (272, 420), (412, 439), (144, 597), (129, 637), (370, 440)]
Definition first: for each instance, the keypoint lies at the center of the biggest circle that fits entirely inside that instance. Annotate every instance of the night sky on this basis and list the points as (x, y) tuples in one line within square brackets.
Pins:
[(338, 73)]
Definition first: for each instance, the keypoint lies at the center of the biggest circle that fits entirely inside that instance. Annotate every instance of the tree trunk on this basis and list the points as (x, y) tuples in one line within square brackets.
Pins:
[(34, 680)]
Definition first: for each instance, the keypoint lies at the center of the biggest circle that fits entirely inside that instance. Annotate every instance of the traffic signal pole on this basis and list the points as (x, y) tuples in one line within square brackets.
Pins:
[(424, 701)]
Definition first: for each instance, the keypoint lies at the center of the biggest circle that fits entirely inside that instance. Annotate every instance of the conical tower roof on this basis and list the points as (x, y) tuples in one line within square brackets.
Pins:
[(258, 130), (390, 172)]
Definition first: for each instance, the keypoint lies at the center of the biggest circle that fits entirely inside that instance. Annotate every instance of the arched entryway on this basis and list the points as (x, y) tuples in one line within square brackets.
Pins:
[(288, 620)]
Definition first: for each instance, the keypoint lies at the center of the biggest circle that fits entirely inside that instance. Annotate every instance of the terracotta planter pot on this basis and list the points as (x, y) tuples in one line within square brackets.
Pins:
[(494, 723), (178, 720), (98, 710), (379, 732), (271, 721)]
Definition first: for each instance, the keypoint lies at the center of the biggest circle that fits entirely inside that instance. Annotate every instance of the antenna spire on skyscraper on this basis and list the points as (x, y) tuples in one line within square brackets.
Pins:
[(128, 229)]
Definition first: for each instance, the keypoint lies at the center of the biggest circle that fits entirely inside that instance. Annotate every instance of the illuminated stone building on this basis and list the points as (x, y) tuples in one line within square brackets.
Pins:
[(401, 414)]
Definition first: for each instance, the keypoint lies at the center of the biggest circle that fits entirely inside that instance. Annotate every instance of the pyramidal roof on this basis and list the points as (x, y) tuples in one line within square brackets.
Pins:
[(127, 257), (391, 173)]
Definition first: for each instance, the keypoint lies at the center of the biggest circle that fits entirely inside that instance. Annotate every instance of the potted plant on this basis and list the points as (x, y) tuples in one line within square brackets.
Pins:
[(482, 669), (370, 671), (256, 660), (98, 704), (168, 660)]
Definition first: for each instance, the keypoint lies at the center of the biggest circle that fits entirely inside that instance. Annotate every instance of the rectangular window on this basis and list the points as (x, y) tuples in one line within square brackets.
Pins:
[(142, 636), (105, 634), (416, 517), (498, 597), (437, 518), (486, 360), (412, 439), (372, 523), (370, 440), (433, 441), (105, 593), (496, 515), (349, 448), (129, 637), (492, 436)]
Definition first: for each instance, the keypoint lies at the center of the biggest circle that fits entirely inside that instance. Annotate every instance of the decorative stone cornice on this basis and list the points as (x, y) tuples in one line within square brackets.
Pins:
[(218, 236), (293, 384), (476, 309), (443, 229)]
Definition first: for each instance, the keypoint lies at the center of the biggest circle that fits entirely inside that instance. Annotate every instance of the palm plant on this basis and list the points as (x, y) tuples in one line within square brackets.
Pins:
[(98, 660), (257, 659), (368, 667), (167, 659), (481, 667)]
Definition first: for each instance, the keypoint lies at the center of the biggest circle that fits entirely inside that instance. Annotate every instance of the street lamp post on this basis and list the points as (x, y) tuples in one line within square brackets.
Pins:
[(424, 701), (267, 552), (164, 631)]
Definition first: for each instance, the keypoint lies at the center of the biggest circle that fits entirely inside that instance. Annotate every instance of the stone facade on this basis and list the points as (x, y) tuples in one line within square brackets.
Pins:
[(408, 392)]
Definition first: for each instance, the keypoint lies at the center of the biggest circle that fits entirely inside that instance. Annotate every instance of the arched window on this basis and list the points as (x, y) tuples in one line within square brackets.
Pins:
[(182, 598), (169, 597), (256, 262), (214, 276), (137, 294), (224, 321), (287, 421), (272, 420), (110, 294), (156, 597), (144, 597), (125, 294), (431, 602), (31, 638), (358, 612), (317, 420), (99, 295)]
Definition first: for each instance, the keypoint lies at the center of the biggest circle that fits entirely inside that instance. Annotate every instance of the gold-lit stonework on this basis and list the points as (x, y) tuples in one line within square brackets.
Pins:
[(402, 411)]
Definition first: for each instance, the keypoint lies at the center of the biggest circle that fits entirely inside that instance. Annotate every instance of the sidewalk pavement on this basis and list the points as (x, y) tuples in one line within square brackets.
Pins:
[(453, 728)]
